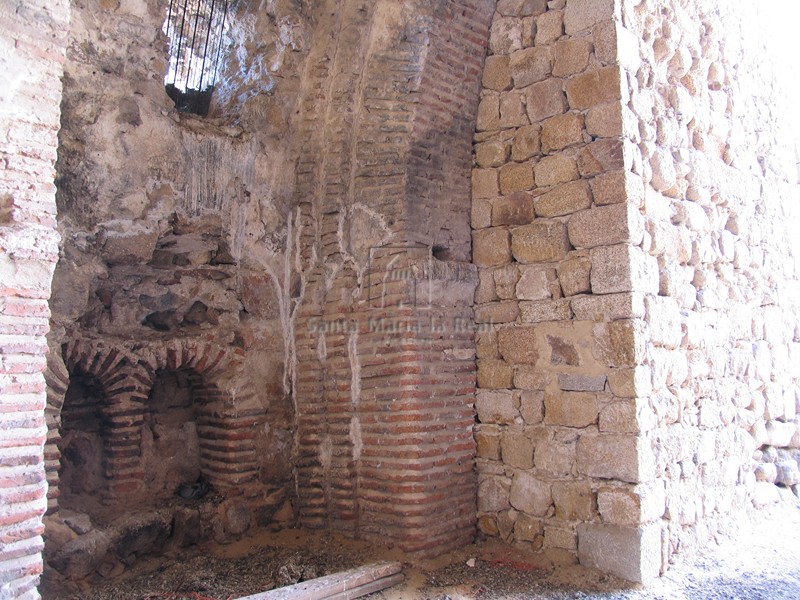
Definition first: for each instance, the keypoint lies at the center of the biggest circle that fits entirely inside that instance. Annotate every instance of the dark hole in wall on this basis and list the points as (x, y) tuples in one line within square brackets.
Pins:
[(191, 101), (441, 253), (83, 432), (170, 443)]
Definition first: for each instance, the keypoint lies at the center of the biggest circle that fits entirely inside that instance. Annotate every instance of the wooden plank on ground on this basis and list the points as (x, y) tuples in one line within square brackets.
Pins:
[(340, 586)]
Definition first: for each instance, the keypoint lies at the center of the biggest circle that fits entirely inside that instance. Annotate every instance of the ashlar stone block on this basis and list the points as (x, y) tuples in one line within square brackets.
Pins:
[(605, 121), (521, 8), (594, 88), (664, 317), (487, 440), (530, 65), (540, 242), (606, 226), (633, 553), (559, 537), (497, 73), (530, 495), (516, 209), (555, 169), (518, 345), (630, 382), (614, 456), (562, 131), (534, 284), (528, 529), (544, 310), (481, 213), (494, 374), (616, 187), (632, 505), (549, 27), (545, 99), (570, 409), (574, 500), (496, 407), (580, 15), (488, 118), (497, 312), (526, 143), (485, 183), (574, 382), (531, 406), (512, 110), (517, 449), (623, 268), (565, 199), (493, 494), (571, 56), (574, 275), (516, 177), (506, 35), (620, 343), (492, 154), (605, 155), (491, 247), (608, 307)]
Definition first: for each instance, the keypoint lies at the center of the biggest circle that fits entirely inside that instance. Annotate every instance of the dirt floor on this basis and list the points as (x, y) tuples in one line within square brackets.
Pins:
[(762, 562)]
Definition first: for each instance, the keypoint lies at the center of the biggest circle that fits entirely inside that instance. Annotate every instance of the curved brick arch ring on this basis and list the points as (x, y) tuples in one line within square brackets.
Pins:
[(123, 385), (227, 409), (226, 406)]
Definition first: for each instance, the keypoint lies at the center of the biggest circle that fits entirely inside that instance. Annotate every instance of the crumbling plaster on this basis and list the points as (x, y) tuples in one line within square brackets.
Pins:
[(632, 213)]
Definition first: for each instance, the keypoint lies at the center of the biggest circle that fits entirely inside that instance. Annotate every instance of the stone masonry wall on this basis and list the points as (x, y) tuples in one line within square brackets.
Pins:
[(557, 238), (631, 207), (713, 130), (32, 43)]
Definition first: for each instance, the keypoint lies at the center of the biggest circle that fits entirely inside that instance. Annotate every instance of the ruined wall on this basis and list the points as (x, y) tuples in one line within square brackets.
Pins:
[(714, 133), (174, 260), (630, 214), (384, 350), (32, 43)]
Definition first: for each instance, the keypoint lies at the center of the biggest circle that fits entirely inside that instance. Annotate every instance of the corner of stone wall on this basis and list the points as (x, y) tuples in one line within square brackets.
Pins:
[(563, 403)]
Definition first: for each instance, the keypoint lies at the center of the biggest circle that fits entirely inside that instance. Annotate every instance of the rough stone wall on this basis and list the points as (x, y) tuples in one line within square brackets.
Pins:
[(631, 212), (714, 148), (557, 236), (32, 43), (384, 350), (174, 253)]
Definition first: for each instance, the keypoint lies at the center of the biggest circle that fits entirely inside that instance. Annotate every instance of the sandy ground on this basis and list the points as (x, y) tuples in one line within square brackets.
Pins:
[(763, 561)]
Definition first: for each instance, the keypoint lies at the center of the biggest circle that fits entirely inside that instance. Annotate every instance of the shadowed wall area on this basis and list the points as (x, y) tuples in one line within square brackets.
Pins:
[(425, 270)]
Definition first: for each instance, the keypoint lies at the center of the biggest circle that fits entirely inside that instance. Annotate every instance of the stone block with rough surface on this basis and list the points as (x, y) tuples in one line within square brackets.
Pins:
[(633, 553)]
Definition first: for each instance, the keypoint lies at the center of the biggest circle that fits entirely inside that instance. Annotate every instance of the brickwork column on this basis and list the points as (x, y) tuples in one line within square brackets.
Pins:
[(32, 46)]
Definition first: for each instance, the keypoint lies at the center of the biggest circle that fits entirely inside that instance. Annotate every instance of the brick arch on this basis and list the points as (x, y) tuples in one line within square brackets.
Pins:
[(228, 411), (123, 386)]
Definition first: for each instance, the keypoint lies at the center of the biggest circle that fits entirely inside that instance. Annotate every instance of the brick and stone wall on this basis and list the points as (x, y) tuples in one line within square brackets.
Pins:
[(384, 350), (633, 256), (172, 264), (33, 39)]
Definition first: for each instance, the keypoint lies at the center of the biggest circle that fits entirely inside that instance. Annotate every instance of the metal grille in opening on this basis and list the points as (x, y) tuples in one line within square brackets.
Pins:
[(196, 31)]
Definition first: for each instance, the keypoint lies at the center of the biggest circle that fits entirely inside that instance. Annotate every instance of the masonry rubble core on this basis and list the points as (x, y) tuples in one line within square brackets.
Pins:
[(428, 268)]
